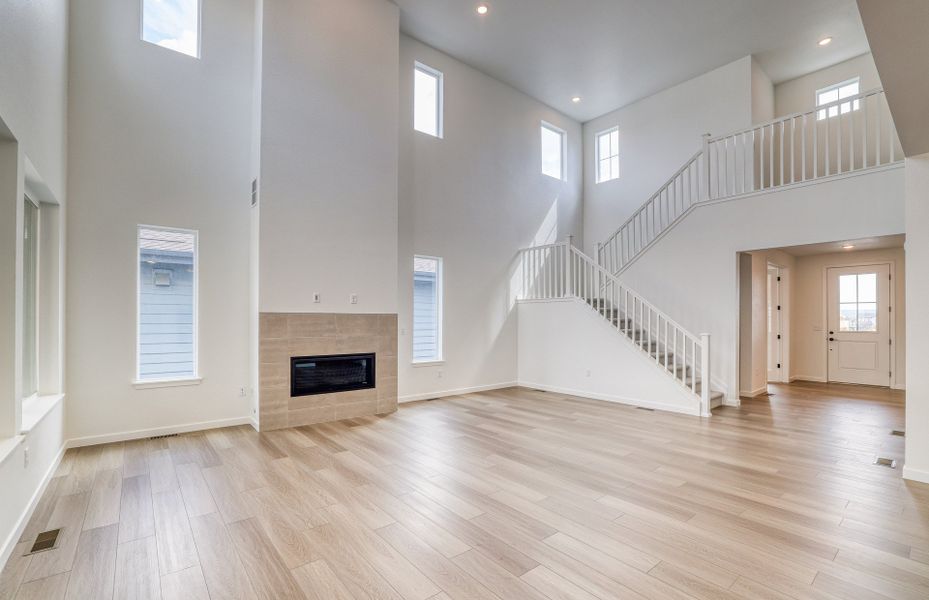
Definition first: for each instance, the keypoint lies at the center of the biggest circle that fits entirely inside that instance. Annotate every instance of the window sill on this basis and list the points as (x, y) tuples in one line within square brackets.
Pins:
[(148, 384), (35, 408), (429, 363)]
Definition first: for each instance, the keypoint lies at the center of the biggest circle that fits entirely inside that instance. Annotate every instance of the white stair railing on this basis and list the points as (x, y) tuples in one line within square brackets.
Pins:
[(851, 134), (557, 271)]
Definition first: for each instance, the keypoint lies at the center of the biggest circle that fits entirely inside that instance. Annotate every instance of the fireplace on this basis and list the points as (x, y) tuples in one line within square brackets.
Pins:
[(310, 375)]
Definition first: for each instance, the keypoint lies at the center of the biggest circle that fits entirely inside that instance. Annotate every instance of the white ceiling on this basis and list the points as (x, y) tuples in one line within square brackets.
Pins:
[(613, 52)]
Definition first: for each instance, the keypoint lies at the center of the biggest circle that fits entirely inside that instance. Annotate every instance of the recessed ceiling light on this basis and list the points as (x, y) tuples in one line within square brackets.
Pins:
[(576, 99), (847, 246), (482, 9), (825, 41)]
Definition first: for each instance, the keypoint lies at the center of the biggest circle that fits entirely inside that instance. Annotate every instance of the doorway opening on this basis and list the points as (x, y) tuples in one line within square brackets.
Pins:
[(829, 313)]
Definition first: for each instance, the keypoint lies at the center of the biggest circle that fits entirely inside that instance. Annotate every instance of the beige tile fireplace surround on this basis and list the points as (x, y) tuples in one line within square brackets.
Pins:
[(286, 335)]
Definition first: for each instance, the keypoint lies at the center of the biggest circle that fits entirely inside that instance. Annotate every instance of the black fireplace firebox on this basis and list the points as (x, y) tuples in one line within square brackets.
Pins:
[(311, 375)]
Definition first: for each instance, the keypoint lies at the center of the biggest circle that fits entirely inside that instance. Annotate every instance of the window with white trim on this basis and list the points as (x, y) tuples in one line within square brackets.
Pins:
[(427, 309), (30, 367), (428, 84), (608, 155), (837, 92), (172, 24), (167, 304), (553, 151)]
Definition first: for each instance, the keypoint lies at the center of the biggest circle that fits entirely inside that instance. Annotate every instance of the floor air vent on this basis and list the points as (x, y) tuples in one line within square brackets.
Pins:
[(898, 432), (47, 540), (161, 437), (885, 462)]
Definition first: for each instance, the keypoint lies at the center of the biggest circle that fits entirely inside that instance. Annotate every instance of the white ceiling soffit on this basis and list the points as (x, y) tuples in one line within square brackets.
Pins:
[(871, 243), (899, 34), (614, 52)]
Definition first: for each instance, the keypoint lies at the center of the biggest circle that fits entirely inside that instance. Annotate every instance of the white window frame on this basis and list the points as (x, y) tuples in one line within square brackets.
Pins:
[(440, 314), (600, 159), (853, 105), (564, 150), (195, 378), (199, 54), (38, 290), (440, 98)]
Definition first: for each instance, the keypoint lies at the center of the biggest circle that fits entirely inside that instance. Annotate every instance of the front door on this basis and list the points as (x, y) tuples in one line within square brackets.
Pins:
[(858, 324)]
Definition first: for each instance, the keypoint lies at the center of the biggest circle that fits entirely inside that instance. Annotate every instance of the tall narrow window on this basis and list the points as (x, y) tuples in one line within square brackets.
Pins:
[(608, 155), (553, 150), (172, 24), (30, 298), (837, 92), (167, 329), (427, 309), (428, 85)]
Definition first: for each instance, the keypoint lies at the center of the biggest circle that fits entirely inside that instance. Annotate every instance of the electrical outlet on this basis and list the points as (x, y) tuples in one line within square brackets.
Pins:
[(353, 299), (440, 373), (25, 457), (316, 297), (242, 392), (588, 372)]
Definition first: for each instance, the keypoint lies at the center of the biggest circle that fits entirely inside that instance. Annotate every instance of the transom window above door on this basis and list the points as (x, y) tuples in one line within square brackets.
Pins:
[(858, 302)]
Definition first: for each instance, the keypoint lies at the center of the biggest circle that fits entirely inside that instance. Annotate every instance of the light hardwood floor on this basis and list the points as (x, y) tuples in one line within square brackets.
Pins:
[(514, 494)]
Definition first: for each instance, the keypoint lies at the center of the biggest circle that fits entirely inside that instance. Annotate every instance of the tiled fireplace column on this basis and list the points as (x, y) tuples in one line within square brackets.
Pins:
[(283, 336)]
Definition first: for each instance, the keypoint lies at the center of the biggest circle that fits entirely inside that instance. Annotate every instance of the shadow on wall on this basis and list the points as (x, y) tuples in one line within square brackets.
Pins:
[(547, 233)]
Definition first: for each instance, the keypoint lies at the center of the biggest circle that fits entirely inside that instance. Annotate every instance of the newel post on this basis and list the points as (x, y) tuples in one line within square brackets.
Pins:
[(705, 384), (705, 179)]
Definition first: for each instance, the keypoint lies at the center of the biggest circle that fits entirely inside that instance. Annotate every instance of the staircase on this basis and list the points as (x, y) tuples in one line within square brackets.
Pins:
[(561, 271), (833, 140)]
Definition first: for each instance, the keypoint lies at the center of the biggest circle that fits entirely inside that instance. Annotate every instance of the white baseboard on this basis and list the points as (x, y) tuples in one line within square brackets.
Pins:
[(456, 392), (736, 402), (912, 474), (155, 431), (755, 393), (13, 538), (899, 386), (695, 411)]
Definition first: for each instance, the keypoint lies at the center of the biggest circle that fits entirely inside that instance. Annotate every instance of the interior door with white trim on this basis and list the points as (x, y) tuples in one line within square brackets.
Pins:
[(858, 320)]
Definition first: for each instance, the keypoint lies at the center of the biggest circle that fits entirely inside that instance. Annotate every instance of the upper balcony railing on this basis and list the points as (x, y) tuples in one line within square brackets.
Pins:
[(849, 135)]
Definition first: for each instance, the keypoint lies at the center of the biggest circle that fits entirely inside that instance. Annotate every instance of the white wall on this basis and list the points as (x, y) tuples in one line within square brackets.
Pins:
[(917, 322), (158, 138), (566, 347), (692, 272), (656, 137), (762, 94), (33, 114), (753, 326), (34, 90), (474, 198), (808, 332), (329, 148), (799, 95)]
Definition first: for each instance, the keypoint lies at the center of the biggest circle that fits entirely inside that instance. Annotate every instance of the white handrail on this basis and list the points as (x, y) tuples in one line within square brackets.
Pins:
[(556, 271), (850, 134)]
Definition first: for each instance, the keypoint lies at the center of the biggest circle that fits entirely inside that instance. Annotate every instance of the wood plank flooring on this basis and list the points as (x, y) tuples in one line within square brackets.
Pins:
[(515, 494)]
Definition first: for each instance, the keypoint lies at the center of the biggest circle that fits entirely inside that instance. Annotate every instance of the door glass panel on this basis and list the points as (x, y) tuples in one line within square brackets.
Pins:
[(867, 287), (848, 288), (848, 317), (867, 316)]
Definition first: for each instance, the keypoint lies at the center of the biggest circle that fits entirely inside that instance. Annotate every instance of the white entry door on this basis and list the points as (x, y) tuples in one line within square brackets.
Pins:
[(859, 324), (774, 324)]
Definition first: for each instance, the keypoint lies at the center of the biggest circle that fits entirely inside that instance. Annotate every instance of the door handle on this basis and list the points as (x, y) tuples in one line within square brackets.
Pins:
[(831, 339)]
